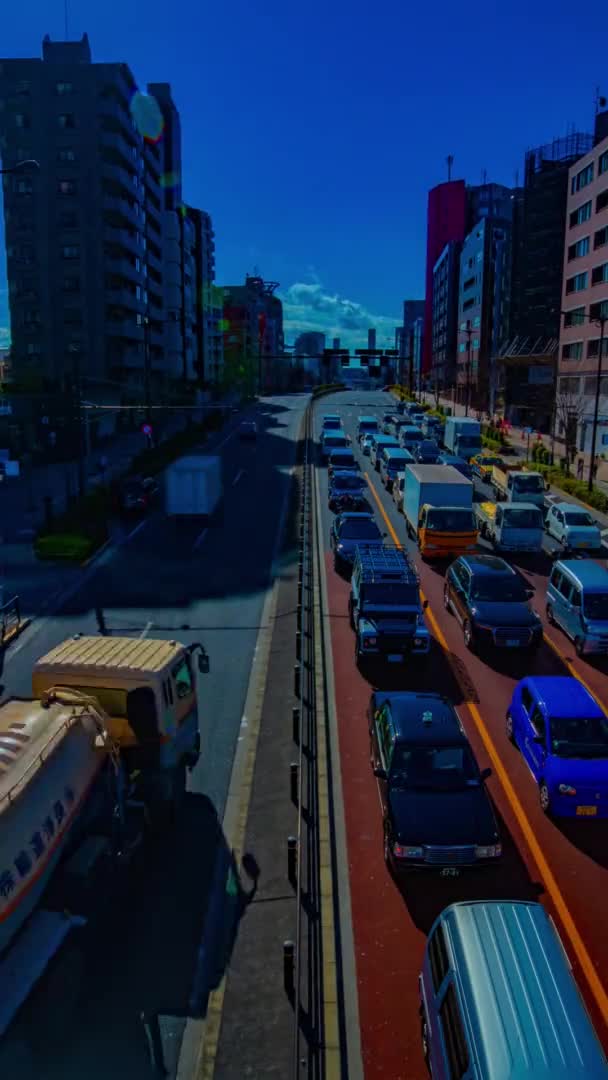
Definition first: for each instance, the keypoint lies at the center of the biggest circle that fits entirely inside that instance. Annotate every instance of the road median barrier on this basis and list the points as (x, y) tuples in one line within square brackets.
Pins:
[(11, 622)]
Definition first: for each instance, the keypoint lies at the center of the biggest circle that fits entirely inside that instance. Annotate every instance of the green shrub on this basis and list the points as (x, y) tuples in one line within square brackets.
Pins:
[(70, 547)]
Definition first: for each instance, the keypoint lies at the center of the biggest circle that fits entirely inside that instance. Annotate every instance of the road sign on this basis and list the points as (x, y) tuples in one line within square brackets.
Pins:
[(147, 429)]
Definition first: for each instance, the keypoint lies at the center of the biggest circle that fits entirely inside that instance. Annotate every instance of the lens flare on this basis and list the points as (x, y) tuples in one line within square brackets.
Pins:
[(147, 116)]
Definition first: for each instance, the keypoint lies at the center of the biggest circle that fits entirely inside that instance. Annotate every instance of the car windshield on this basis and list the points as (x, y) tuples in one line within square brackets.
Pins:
[(340, 460), (596, 606), (527, 518), (455, 520), (434, 768), (428, 447), (498, 588), (490, 461), (335, 440), (579, 736), (390, 592), (578, 517), (360, 529), (395, 466), (530, 484)]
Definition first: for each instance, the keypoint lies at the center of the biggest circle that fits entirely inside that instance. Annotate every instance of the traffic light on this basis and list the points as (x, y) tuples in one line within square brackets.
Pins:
[(345, 361)]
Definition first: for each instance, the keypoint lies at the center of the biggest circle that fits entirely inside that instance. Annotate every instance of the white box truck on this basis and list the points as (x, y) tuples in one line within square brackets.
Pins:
[(193, 486)]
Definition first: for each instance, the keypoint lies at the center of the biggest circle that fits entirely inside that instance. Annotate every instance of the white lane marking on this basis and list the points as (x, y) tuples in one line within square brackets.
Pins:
[(134, 531), (240, 473), (146, 629), (201, 536)]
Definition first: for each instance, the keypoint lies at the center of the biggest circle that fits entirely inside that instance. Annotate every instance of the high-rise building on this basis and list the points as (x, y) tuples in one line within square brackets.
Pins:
[(585, 296), (100, 260), (310, 343), (529, 356), (446, 279), (254, 343), (371, 338), (412, 310), (209, 303), (446, 221), (483, 299)]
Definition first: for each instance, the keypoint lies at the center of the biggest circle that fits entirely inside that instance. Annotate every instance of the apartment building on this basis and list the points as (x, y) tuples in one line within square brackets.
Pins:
[(446, 279), (582, 348), (209, 302)]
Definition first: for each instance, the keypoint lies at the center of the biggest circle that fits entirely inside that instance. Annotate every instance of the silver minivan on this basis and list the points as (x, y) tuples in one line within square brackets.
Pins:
[(393, 460), (577, 601)]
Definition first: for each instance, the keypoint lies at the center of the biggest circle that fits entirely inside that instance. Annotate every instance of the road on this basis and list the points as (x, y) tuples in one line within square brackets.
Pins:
[(564, 865), (207, 585)]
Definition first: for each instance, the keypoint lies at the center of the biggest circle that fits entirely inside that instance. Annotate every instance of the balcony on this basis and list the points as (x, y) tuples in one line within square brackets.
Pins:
[(126, 329), (125, 178), (123, 268), (153, 260), (117, 143), (124, 298), (121, 117), (130, 241), (122, 208)]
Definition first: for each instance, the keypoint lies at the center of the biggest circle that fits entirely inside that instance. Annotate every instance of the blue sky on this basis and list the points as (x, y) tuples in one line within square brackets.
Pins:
[(312, 133)]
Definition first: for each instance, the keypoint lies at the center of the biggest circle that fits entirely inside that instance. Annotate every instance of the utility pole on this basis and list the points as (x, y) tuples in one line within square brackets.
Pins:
[(602, 321)]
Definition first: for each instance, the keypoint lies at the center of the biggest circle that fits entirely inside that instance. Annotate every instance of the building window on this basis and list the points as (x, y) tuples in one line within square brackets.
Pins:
[(31, 317), (64, 88), (569, 386), (602, 164), (462, 347), (476, 321), (22, 88), (573, 350), (71, 284), (602, 201), (23, 186), (68, 219), (599, 274), (576, 251), (66, 187), (601, 237), (22, 120), (584, 177), (66, 154), (583, 213), (599, 310), (70, 251), (67, 121), (72, 316), (476, 343), (577, 283), (575, 317), (593, 348)]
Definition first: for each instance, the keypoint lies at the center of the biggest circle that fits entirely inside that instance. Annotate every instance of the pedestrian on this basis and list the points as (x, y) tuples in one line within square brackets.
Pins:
[(579, 468)]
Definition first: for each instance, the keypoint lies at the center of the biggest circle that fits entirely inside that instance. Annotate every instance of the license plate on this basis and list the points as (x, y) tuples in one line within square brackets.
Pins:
[(395, 658), (512, 642), (586, 811), (450, 871)]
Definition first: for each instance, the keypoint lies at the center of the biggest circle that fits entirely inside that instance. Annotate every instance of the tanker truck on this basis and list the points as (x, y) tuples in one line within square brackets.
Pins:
[(93, 763)]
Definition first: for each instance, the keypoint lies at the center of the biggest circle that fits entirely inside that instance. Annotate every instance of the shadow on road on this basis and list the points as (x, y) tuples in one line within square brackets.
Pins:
[(157, 950)]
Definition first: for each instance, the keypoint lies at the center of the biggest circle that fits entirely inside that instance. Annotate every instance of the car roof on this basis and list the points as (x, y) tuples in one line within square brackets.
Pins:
[(587, 573), (486, 565), (524, 1010), (409, 710), (357, 515), (342, 473), (331, 416), (563, 505), (342, 450), (563, 695)]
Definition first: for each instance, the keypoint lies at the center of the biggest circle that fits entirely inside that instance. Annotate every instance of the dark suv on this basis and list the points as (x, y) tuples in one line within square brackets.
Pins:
[(491, 602), (437, 813)]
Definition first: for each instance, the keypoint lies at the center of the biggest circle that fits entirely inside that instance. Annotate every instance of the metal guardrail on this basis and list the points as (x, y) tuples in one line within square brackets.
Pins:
[(10, 619)]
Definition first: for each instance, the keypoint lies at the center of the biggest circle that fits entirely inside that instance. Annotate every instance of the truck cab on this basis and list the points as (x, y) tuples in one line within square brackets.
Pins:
[(385, 609), (511, 526), (520, 486)]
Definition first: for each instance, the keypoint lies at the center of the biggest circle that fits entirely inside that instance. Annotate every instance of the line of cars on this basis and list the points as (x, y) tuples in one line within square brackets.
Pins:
[(436, 811)]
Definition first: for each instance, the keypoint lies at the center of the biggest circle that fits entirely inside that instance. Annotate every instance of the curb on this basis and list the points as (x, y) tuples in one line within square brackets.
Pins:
[(99, 551)]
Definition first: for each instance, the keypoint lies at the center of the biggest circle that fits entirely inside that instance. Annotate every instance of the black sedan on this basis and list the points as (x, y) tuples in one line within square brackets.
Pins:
[(346, 489), (492, 604), (350, 530), (437, 814)]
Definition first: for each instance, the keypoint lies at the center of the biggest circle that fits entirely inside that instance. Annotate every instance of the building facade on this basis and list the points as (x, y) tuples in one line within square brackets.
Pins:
[(446, 221), (483, 300), (310, 343), (209, 303), (446, 280), (412, 310), (539, 222), (583, 349), (254, 344)]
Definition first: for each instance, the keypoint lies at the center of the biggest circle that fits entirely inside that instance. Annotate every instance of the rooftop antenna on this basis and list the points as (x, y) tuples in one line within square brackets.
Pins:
[(484, 176), (450, 162), (65, 15)]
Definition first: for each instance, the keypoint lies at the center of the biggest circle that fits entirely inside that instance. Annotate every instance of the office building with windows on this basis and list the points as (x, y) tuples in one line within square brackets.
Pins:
[(584, 299), (446, 281)]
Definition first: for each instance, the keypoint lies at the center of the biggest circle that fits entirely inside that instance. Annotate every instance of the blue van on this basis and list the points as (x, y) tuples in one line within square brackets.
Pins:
[(577, 600), (367, 425), (498, 1000)]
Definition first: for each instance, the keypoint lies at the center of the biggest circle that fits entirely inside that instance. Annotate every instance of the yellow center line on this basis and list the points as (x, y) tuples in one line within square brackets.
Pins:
[(550, 882)]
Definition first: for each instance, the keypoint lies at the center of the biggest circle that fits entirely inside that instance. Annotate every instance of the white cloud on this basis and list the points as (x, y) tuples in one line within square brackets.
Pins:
[(307, 306)]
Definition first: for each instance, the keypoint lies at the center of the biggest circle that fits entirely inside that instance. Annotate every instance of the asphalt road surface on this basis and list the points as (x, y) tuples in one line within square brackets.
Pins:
[(562, 864), (188, 584)]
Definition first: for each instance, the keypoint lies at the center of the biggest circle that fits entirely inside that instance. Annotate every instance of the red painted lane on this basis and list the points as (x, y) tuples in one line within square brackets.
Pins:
[(390, 923)]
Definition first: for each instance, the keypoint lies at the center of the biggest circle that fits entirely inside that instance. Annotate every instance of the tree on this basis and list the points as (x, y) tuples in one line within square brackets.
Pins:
[(570, 407)]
